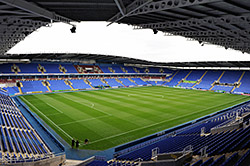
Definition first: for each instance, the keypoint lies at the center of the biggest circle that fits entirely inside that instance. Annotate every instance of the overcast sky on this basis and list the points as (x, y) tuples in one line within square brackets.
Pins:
[(122, 40)]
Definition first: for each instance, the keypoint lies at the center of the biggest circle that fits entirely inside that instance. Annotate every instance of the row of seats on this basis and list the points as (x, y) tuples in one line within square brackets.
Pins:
[(19, 142), (55, 85), (232, 160), (205, 79), (191, 136), (71, 68), (234, 142), (208, 78)]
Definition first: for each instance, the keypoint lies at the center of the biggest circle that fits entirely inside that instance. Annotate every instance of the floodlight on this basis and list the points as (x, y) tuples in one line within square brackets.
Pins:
[(73, 29), (155, 31)]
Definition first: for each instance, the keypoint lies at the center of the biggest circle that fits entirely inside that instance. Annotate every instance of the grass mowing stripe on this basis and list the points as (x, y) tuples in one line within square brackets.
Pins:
[(157, 123), (129, 114), (88, 106), (73, 109), (47, 118), (149, 98), (132, 107), (63, 124), (127, 107)]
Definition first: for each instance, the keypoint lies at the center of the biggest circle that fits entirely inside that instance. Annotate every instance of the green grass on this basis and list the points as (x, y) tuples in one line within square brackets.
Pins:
[(112, 117)]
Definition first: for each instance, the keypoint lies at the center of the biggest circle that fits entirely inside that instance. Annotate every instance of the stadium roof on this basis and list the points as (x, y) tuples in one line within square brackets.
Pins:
[(95, 58), (221, 22)]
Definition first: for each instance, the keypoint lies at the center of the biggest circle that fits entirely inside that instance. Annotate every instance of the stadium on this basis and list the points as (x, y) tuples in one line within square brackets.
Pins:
[(109, 110)]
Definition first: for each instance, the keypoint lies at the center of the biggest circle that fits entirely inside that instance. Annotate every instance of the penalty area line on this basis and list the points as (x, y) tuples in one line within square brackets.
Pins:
[(54, 108)]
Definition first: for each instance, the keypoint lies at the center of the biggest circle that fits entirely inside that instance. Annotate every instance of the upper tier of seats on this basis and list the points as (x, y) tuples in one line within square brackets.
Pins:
[(21, 68), (129, 69), (51, 68)]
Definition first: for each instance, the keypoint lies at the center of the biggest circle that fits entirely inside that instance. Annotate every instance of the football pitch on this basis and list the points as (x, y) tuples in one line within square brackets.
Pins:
[(115, 116)]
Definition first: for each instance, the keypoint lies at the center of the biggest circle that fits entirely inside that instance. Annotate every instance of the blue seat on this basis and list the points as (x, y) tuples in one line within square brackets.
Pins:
[(219, 161), (244, 159)]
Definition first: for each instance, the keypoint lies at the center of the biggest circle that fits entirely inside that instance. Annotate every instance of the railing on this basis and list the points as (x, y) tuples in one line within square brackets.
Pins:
[(137, 144), (6, 160), (41, 124)]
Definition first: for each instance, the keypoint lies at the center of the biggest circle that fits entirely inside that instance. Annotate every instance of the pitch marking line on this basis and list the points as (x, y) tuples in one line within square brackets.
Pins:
[(54, 108), (113, 136), (63, 124), (53, 114), (92, 106), (48, 118)]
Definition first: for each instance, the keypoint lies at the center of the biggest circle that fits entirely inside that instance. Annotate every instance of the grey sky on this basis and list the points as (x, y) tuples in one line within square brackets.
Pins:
[(122, 40)]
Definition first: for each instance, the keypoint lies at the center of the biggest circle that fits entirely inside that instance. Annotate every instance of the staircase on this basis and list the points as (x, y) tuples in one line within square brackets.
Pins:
[(221, 75), (212, 87), (217, 80), (62, 69), (111, 70), (124, 70), (239, 83), (161, 70), (19, 87), (3, 90), (241, 76), (184, 78), (47, 84), (89, 83), (41, 69), (120, 81), (132, 81), (200, 79), (15, 69), (67, 82), (168, 80), (136, 70), (104, 81)]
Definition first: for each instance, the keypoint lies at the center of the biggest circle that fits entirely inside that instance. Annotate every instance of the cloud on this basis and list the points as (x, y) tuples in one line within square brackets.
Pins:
[(122, 40)]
